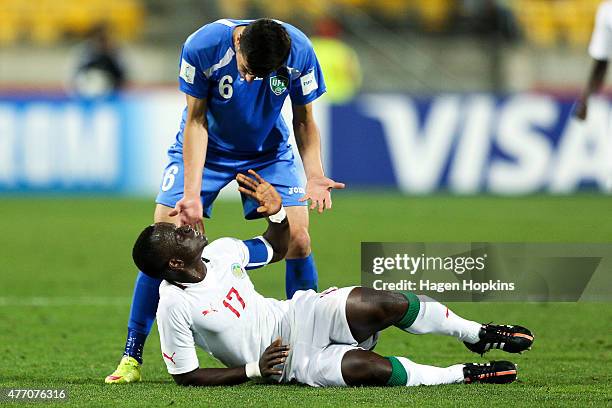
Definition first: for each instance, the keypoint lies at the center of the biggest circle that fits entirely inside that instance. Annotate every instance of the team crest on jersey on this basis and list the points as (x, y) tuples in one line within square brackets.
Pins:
[(238, 271), (278, 84)]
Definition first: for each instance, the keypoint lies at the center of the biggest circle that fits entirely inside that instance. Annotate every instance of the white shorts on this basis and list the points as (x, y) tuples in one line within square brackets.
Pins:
[(320, 336)]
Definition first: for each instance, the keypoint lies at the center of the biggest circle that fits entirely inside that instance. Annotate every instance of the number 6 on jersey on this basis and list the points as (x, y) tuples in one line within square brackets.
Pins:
[(225, 87)]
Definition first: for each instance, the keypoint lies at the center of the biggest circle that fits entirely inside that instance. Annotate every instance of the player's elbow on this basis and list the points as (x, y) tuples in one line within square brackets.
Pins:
[(279, 251)]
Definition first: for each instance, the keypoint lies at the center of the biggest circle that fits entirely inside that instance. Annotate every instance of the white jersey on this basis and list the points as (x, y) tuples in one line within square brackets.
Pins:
[(223, 314), (601, 42)]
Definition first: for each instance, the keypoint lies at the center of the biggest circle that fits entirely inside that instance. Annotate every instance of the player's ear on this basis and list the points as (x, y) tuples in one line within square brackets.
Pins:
[(176, 264)]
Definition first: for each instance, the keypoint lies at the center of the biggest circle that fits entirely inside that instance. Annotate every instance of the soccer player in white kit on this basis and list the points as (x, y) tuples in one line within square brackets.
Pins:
[(600, 50), (319, 339)]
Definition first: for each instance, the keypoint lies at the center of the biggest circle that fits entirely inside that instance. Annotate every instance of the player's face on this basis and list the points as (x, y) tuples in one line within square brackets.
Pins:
[(189, 240), (243, 69)]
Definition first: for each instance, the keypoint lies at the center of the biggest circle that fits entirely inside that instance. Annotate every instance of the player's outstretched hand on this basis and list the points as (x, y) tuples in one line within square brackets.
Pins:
[(189, 212), (318, 191), (259, 189), (273, 358)]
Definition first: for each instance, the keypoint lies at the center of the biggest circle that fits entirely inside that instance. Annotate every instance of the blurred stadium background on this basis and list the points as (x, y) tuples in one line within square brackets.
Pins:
[(449, 120), (467, 96)]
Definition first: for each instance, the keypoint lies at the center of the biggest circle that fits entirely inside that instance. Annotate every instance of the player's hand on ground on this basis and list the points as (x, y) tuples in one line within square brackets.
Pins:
[(264, 193), (189, 211), (318, 191), (273, 358), (581, 109)]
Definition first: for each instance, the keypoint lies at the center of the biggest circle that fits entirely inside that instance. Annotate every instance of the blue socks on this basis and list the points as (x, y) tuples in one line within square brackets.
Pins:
[(300, 274), (142, 314), (134, 344)]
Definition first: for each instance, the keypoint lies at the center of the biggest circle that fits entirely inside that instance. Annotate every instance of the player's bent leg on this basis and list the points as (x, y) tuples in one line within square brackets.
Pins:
[(366, 368), (369, 311), (301, 272), (142, 315)]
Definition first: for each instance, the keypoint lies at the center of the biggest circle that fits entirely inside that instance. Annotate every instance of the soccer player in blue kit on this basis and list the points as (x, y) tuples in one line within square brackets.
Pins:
[(236, 75)]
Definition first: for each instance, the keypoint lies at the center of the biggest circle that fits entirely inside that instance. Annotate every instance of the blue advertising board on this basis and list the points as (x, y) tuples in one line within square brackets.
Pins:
[(467, 144)]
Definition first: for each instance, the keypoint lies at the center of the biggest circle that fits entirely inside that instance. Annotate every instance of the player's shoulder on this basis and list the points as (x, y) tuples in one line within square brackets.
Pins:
[(172, 299), (222, 247), (210, 37)]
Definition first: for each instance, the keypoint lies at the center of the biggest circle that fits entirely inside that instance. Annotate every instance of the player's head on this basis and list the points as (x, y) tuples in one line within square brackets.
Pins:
[(263, 47), (166, 251)]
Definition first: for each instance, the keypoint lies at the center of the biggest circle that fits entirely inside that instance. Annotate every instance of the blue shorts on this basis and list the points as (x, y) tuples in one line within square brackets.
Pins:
[(278, 168)]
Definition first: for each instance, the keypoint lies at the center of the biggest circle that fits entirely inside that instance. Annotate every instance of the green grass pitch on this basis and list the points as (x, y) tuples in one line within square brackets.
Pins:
[(66, 280)]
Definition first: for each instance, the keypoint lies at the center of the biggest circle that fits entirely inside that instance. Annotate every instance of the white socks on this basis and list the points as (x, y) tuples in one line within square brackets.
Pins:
[(419, 374), (436, 318)]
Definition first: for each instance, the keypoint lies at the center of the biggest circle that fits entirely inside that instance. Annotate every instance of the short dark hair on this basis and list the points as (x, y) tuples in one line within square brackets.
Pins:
[(265, 45), (150, 252)]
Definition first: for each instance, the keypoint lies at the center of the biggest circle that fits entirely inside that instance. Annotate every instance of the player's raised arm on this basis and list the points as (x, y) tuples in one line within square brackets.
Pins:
[(270, 205), (318, 187), (195, 142)]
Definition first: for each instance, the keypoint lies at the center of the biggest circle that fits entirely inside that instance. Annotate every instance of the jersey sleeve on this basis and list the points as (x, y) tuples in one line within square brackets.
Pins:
[(250, 254), (192, 80), (309, 85), (601, 41), (176, 339)]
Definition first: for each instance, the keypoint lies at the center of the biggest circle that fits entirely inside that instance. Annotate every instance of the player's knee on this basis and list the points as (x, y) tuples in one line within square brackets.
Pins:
[(299, 243), (361, 367)]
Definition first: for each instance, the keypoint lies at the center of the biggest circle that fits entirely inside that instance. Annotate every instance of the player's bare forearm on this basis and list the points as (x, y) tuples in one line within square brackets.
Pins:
[(208, 377), (318, 187), (277, 235), (195, 143), (308, 140)]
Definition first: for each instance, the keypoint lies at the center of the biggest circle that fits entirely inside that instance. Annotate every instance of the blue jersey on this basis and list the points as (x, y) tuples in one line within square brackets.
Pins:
[(244, 119)]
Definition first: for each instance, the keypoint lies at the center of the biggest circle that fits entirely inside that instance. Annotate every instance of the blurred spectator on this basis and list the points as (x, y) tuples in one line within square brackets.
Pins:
[(338, 60), (491, 17), (99, 71)]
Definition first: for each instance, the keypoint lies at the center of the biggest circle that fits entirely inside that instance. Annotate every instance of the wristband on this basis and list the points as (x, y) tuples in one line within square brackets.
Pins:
[(279, 216), (252, 370)]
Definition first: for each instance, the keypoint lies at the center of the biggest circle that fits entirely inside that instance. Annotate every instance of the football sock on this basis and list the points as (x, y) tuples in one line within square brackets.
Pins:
[(408, 373), (142, 314), (425, 315), (134, 344), (300, 274)]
